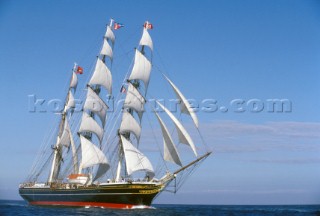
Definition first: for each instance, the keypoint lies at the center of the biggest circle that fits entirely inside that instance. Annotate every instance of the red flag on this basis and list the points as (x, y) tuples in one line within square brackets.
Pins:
[(117, 26), (79, 70), (148, 25)]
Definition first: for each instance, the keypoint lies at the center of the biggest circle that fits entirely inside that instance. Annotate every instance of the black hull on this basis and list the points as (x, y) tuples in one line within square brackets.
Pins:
[(109, 196)]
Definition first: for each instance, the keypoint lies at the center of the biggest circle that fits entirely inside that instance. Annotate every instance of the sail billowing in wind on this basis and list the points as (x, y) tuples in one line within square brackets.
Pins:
[(170, 150), (91, 154), (134, 103), (135, 160), (114, 170), (184, 105), (102, 76), (94, 105), (184, 137), (130, 124)]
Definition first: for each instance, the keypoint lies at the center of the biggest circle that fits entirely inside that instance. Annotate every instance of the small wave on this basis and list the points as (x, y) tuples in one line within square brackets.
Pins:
[(14, 204), (142, 207)]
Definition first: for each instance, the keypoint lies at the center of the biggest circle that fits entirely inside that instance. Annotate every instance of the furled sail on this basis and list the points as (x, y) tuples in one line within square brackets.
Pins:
[(129, 124), (102, 76), (71, 102), (141, 69), (95, 104), (185, 106), (74, 81), (170, 151), (92, 155), (146, 39), (88, 124), (65, 138), (134, 100), (184, 137), (135, 160)]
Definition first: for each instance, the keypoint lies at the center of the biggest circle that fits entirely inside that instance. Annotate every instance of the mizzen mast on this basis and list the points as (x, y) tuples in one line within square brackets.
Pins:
[(64, 136)]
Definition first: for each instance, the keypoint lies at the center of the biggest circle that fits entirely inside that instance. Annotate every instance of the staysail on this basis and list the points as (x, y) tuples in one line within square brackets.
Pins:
[(185, 106), (184, 137), (170, 150)]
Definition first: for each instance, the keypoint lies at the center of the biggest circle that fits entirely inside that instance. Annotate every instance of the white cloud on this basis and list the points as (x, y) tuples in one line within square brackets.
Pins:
[(232, 136)]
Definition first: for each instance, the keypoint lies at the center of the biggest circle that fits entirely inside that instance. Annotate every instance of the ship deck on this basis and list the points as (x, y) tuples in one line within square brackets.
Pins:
[(109, 195)]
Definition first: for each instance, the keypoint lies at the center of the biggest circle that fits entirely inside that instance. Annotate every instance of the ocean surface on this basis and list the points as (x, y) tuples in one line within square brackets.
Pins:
[(22, 208)]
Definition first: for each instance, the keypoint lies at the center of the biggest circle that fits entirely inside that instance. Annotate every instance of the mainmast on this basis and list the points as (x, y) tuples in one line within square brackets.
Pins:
[(95, 106)]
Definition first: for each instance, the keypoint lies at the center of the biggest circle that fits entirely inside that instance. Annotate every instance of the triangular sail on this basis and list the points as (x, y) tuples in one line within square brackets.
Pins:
[(102, 169), (129, 124), (184, 105), (170, 151), (135, 160), (95, 104), (184, 137), (88, 124), (102, 76)]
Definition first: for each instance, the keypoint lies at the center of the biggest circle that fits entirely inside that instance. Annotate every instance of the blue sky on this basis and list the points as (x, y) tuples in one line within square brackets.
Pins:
[(222, 50)]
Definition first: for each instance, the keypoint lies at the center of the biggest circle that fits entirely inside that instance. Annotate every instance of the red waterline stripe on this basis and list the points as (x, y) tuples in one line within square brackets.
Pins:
[(91, 204)]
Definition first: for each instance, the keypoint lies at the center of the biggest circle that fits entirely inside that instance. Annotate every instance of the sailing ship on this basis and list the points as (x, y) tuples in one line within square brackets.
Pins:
[(114, 173)]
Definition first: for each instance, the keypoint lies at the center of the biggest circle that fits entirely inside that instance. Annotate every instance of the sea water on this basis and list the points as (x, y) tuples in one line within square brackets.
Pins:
[(17, 208)]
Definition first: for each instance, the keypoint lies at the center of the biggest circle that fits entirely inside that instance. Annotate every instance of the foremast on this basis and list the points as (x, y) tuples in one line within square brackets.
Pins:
[(133, 109)]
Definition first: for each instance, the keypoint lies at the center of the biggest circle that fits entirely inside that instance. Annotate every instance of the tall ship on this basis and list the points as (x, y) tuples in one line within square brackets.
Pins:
[(124, 160)]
